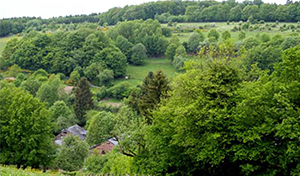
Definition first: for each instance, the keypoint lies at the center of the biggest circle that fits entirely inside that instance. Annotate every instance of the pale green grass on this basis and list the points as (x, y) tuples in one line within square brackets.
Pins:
[(222, 26), (4, 40), (138, 73), (13, 171)]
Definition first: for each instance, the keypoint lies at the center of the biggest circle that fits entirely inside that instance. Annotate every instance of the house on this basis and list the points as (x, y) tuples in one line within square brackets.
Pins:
[(105, 147), (75, 130)]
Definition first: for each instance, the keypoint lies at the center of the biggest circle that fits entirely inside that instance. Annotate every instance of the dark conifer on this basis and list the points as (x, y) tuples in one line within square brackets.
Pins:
[(83, 100)]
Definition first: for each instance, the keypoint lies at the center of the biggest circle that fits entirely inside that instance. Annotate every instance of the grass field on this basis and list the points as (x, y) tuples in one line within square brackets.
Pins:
[(4, 40), (13, 171), (221, 27), (138, 73)]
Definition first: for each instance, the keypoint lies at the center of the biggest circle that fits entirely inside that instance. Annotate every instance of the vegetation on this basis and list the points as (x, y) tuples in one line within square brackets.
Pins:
[(216, 97)]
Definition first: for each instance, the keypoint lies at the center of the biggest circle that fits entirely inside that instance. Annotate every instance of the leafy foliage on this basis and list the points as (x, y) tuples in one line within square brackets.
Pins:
[(72, 153), (26, 138)]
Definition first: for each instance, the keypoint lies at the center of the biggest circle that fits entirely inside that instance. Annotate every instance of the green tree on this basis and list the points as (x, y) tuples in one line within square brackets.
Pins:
[(265, 57), (226, 35), (201, 35), (154, 89), (193, 42), (72, 153), (265, 38), (235, 13), (180, 51), (74, 77), (83, 100), (48, 92), (213, 33), (95, 162), (196, 111), (26, 138), (105, 77), (250, 43), (138, 54), (113, 59), (170, 52), (100, 128), (59, 108), (242, 35), (125, 46)]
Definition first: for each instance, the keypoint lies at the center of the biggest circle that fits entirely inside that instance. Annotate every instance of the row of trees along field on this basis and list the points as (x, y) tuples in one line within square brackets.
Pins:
[(167, 11)]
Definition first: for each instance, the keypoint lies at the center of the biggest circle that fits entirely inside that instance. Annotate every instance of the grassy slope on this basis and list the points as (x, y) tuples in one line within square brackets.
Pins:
[(13, 171), (138, 73), (221, 27)]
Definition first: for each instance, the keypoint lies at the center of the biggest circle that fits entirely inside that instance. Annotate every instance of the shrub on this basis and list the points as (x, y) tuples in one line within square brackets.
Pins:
[(120, 90)]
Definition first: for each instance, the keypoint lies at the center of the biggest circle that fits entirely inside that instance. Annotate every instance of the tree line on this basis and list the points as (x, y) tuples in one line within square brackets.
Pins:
[(168, 11)]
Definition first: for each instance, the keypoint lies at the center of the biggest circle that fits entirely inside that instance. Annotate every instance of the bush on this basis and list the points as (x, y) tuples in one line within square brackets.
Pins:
[(72, 154), (95, 162), (101, 93), (166, 32), (120, 90)]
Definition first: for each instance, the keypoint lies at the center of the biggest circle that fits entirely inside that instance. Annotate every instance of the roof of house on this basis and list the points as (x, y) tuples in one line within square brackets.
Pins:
[(75, 130), (111, 140)]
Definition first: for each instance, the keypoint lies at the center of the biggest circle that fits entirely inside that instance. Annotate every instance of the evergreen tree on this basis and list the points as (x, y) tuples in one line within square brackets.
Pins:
[(83, 100), (154, 89)]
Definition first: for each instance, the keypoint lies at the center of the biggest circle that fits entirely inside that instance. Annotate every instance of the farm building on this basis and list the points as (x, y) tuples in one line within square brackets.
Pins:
[(105, 147), (75, 130)]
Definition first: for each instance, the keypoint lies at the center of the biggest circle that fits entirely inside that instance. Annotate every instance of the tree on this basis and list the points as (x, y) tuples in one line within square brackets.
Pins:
[(48, 92), (193, 42), (128, 131), (125, 46), (72, 154), (26, 138), (250, 43), (242, 35), (180, 51), (226, 35), (265, 57), (112, 58), (198, 110), (138, 54), (105, 77), (100, 128), (235, 13), (59, 108), (213, 34), (154, 89), (74, 77), (265, 38), (95, 162), (170, 52), (83, 100), (201, 35)]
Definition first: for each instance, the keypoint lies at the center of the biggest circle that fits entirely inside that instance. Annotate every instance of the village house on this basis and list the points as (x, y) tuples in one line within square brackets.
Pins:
[(105, 147), (74, 130)]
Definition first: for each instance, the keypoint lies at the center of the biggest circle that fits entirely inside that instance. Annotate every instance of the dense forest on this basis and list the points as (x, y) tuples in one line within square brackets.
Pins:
[(232, 106), (167, 11)]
